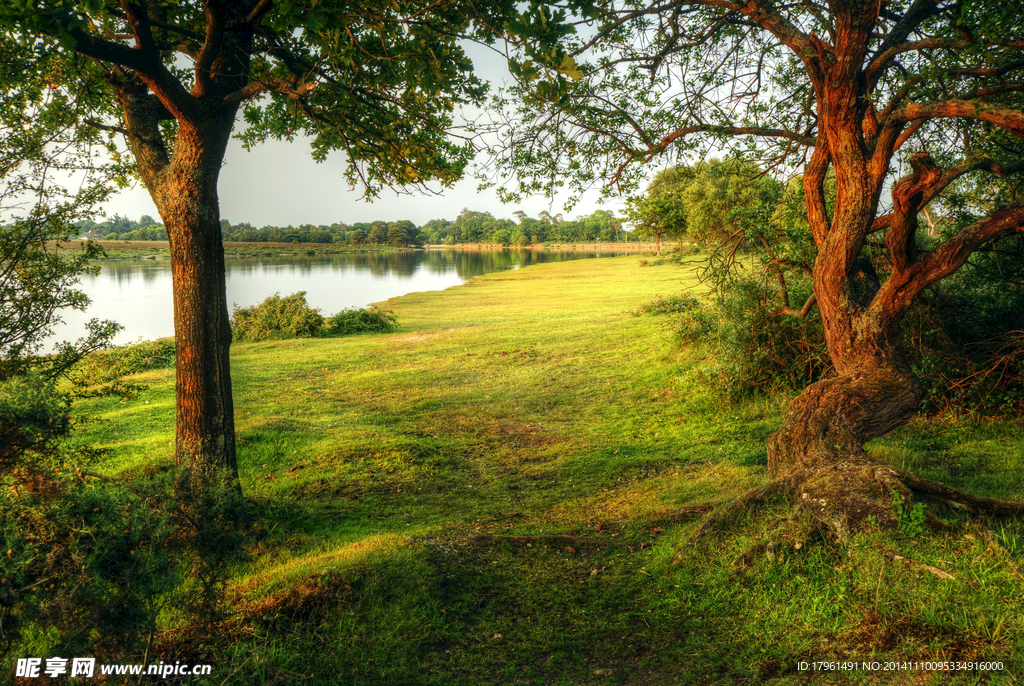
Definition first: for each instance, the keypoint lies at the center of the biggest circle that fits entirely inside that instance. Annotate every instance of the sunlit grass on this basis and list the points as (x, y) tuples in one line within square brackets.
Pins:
[(409, 485)]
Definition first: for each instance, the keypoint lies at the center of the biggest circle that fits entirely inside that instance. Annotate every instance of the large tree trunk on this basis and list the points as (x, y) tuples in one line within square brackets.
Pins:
[(186, 197), (817, 455)]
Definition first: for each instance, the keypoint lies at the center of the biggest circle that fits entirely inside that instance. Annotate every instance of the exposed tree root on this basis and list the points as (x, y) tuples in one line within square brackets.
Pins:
[(680, 514), (845, 495), (754, 496), (958, 499)]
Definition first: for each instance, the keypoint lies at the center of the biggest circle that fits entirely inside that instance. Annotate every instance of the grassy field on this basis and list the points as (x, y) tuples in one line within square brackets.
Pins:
[(503, 492)]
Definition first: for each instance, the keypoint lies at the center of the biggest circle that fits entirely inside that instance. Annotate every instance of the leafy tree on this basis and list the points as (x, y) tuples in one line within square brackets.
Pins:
[(378, 233), (319, 236), (893, 105), (535, 228), (89, 590), (436, 230), (40, 148), (603, 225), (402, 233), (120, 224), (715, 193), (502, 237), (378, 81), (656, 218)]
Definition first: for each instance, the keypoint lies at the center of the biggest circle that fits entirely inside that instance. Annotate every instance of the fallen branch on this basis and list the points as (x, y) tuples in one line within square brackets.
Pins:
[(935, 571)]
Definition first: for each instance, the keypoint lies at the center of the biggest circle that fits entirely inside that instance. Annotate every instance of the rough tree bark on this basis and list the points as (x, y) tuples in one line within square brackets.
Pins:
[(817, 455), (183, 185), (186, 197)]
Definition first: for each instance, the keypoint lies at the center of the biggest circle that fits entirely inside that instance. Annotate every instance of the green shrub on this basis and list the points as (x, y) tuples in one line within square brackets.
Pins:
[(674, 304), (757, 350), (32, 416), (108, 365), (292, 317), (762, 351), (91, 563), (276, 317), (371, 320), (694, 323)]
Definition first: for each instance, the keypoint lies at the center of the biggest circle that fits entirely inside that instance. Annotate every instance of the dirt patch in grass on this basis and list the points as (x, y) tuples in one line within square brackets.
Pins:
[(527, 436)]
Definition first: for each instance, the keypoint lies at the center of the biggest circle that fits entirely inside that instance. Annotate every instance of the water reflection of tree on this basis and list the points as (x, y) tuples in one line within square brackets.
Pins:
[(125, 274), (466, 264)]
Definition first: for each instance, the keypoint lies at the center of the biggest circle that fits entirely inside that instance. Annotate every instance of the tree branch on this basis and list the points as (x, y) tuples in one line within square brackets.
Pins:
[(918, 12), (1008, 119), (258, 11), (286, 87), (763, 132), (802, 312), (212, 45), (903, 286), (147, 65), (951, 174), (907, 197), (105, 127)]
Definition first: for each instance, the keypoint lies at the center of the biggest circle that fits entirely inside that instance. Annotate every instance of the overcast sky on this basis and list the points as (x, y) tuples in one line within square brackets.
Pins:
[(279, 184)]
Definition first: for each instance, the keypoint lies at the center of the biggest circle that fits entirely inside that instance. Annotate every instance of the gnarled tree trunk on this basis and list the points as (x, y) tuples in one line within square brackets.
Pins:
[(817, 455)]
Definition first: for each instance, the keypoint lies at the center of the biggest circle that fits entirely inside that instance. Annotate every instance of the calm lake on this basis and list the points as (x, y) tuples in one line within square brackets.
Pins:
[(137, 293)]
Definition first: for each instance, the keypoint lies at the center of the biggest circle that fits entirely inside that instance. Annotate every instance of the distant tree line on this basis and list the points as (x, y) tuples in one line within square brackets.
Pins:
[(469, 227)]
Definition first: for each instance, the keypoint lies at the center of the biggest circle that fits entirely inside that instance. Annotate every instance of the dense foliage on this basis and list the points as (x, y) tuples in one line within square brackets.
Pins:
[(292, 317), (370, 320)]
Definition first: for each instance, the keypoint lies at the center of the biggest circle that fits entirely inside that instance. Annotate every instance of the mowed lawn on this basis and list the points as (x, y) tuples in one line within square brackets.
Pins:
[(502, 491)]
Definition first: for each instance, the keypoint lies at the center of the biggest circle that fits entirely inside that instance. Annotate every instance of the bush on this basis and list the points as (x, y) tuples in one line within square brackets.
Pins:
[(674, 304), (32, 416), (276, 317), (966, 338), (108, 365), (757, 350), (90, 563), (371, 320), (694, 323), (762, 351), (291, 317)]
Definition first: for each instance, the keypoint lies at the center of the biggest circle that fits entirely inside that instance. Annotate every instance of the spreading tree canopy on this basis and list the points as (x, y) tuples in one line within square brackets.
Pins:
[(880, 108), (378, 81)]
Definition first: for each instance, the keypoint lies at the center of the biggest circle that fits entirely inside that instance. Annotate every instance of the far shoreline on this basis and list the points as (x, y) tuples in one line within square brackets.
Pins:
[(232, 248)]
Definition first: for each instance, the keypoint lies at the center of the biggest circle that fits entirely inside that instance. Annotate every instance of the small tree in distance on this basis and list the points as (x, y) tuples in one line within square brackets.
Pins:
[(656, 218)]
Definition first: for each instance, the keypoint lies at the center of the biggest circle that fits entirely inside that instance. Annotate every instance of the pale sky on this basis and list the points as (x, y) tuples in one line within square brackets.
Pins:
[(279, 184)]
